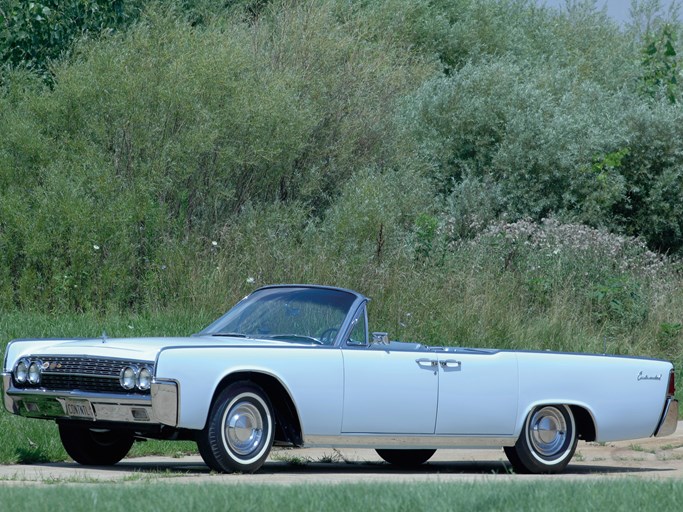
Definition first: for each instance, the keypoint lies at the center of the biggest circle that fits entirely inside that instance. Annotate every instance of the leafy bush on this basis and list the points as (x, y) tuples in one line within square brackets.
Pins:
[(33, 34), (155, 139), (549, 143)]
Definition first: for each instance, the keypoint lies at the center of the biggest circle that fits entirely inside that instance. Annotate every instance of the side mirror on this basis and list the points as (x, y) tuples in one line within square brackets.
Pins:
[(380, 337)]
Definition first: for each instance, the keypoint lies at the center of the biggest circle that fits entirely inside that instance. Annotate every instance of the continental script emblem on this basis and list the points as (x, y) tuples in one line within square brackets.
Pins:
[(645, 376)]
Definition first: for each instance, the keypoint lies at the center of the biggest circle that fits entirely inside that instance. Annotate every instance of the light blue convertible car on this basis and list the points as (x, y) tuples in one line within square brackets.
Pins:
[(296, 365)]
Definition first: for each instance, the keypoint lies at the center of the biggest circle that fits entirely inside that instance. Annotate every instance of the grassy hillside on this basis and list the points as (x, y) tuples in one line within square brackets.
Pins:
[(491, 172)]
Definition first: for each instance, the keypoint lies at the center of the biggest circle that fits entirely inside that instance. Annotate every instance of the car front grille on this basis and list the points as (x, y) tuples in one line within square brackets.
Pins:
[(86, 366), (73, 373), (54, 382)]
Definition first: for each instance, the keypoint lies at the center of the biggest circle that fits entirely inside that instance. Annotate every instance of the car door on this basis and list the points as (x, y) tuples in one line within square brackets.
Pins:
[(387, 391), (478, 393)]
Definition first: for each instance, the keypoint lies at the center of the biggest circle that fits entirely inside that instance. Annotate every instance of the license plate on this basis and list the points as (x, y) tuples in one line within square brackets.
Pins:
[(79, 409)]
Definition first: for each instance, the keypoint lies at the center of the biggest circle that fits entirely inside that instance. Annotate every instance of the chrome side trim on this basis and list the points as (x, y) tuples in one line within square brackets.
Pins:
[(669, 421), (407, 441), (165, 402)]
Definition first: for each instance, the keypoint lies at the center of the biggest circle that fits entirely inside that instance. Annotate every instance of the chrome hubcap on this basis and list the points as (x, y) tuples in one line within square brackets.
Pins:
[(244, 428), (548, 431)]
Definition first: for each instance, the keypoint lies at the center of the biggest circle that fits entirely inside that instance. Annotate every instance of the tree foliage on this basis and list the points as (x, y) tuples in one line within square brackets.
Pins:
[(33, 34)]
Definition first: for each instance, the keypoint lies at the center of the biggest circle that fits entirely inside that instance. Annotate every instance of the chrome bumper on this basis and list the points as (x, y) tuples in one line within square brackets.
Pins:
[(667, 425), (160, 407)]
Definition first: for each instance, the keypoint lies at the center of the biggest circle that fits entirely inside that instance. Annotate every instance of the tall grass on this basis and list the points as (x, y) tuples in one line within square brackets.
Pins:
[(523, 285)]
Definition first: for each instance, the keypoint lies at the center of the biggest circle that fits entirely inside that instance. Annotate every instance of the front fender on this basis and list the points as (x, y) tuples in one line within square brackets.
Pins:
[(312, 376)]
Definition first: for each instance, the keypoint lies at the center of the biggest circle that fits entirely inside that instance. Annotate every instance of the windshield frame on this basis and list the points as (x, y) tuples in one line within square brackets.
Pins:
[(349, 299)]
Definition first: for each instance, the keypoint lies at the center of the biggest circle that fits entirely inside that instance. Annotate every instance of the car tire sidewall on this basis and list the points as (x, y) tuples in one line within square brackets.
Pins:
[(405, 458), (222, 457), (530, 459), (92, 448)]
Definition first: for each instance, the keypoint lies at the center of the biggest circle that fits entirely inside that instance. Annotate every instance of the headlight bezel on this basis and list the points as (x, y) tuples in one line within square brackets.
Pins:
[(144, 378), (35, 372), (128, 377), (21, 375)]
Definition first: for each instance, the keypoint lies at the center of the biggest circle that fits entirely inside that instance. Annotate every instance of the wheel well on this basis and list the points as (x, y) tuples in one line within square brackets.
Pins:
[(585, 426), (287, 424)]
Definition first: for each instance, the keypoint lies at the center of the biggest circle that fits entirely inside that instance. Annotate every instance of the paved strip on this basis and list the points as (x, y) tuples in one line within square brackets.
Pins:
[(651, 458)]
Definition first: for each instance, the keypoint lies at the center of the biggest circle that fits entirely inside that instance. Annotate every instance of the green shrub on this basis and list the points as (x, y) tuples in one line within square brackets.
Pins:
[(33, 34), (548, 143), (153, 140)]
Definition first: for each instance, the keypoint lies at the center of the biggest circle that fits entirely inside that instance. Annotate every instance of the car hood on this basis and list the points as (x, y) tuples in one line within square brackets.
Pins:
[(140, 349)]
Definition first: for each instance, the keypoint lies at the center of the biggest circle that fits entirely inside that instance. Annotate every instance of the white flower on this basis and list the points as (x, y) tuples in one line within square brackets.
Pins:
[(96, 247), (250, 280), (214, 243)]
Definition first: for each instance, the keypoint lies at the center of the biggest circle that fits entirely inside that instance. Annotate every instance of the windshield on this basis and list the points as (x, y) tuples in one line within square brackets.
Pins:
[(297, 314)]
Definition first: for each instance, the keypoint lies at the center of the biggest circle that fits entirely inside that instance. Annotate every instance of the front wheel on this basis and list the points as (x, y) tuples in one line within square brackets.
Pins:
[(405, 458), (547, 442), (239, 432), (95, 447)]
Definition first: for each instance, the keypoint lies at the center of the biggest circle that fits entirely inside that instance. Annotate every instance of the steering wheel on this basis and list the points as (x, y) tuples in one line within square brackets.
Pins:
[(328, 335)]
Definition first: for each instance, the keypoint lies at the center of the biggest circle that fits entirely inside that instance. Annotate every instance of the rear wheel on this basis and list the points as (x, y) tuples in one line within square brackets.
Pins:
[(239, 432), (405, 458), (95, 447), (547, 442)]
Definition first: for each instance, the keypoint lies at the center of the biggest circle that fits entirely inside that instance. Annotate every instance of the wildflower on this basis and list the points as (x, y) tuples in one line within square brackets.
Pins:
[(214, 243), (96, 247), (250, 280)]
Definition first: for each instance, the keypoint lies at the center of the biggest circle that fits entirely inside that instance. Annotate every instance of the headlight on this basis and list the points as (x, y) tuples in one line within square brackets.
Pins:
[(21, 371), (144, 379), (128, 377), (34, 373)]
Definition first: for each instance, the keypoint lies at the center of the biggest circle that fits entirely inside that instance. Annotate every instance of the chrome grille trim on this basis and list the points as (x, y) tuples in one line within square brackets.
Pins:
[(73, 365)]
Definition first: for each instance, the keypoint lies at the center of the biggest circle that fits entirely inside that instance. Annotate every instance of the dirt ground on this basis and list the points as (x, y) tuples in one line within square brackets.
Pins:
[(645, 458)]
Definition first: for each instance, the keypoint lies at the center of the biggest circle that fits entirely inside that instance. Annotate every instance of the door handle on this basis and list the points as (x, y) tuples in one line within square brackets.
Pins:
[(423, 361), (451, 364)]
